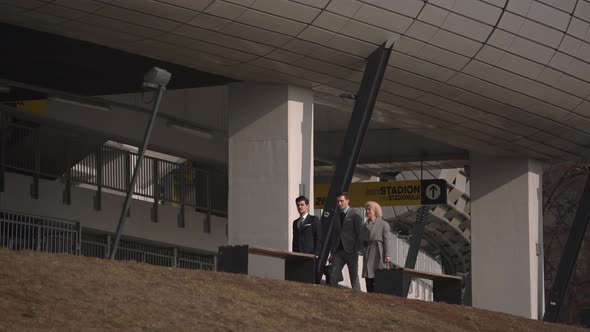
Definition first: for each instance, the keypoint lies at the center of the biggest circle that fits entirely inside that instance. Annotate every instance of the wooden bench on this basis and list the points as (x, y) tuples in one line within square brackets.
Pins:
[(298, 267), (396, 281)]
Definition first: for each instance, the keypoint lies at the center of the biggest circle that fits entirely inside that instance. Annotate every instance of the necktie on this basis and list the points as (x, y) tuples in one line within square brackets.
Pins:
[(300, 222), (342, 216)]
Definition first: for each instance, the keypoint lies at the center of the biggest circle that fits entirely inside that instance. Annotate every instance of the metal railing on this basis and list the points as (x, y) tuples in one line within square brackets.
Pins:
[(98, 245), (21, 231), (45, 153)]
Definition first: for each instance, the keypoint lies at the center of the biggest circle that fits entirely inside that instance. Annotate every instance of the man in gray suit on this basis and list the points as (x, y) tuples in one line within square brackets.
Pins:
[(345, 242)]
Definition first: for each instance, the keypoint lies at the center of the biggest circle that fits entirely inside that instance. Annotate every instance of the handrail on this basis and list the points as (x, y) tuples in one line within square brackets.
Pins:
[(40, 217), (47, 153)]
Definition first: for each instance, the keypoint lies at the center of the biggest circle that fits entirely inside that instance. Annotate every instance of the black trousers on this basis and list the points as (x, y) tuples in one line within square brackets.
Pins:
[(370, 282)]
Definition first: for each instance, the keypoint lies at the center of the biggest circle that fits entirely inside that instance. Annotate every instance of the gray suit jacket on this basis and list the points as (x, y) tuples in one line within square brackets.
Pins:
[(347, 232), (376, 239)]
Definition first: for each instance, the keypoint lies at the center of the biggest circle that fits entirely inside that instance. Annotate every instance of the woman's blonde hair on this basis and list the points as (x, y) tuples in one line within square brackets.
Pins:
[(375, 207)]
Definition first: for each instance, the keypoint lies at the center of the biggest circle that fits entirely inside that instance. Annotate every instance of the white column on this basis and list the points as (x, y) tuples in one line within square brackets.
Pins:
[(506, 228), (270, 159)]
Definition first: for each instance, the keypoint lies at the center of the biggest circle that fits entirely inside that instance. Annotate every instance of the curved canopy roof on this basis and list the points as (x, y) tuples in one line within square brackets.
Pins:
[(484, 75)]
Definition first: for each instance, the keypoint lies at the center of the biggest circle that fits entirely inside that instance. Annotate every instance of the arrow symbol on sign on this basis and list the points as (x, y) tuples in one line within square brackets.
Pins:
[(433, 191)]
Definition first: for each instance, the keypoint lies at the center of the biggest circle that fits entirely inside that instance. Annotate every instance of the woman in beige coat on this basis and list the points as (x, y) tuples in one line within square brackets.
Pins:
[(376, 240)]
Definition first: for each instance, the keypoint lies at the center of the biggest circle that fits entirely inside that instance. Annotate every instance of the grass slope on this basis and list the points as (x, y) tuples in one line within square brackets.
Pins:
[(61, 292)]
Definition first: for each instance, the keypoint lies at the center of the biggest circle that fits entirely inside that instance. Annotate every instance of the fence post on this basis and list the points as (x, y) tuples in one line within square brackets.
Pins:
[(127, 163), (196, 173), (38, 226), (78, 239), (3, 149), (67, 197), (98, 167), (174, 257), (156, 188), (128, 187), (209, 191), (35, 185), (107, 250), (182, 195)]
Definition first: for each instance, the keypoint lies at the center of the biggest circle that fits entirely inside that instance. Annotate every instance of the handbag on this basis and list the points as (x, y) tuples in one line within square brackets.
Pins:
[(328, 273), (391, 280)]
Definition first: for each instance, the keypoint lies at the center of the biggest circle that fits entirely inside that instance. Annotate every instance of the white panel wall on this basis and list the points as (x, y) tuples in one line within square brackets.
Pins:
[(50, 204)]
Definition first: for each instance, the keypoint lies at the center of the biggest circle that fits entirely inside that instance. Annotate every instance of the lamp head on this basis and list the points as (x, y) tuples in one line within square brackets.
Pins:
[(156, 78)]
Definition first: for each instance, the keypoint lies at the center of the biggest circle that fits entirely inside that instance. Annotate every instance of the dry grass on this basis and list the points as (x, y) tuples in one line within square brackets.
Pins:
[(62, 292)]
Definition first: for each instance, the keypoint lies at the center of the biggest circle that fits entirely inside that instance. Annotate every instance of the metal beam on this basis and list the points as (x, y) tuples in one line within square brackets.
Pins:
[(127, 202), (415, 240), (353, 140), (567, 263)]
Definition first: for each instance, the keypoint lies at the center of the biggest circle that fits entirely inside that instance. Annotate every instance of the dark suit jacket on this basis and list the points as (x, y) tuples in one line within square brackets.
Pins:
[(347, 232), (308, 238)]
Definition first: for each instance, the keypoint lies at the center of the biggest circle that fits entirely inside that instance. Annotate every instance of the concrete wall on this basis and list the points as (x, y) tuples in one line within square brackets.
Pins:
[(270, 155), (139, 225), (205, 107), (506, 225)]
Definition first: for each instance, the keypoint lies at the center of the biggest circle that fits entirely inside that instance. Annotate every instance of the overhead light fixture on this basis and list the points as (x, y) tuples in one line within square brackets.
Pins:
[(81, 103), (193, 130), (156, 78), (4, 89)]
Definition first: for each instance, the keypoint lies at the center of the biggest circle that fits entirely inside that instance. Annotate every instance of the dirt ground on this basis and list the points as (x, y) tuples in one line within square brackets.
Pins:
[(61, 292)]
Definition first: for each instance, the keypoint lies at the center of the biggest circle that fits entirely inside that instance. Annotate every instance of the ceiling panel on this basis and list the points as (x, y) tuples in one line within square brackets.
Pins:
[(226, 10), (409, 8), (24, 4), (61, 11), (368, 33), (475, 9), (209, 22), (137, 17), (344, 7), (287, 9), (271, 22), (383, 18), (197, 5), (156, 9), (565, 5), (540, 12)]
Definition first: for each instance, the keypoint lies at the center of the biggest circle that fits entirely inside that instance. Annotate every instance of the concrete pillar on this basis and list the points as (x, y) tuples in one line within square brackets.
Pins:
[(270, 164), (507, 235)]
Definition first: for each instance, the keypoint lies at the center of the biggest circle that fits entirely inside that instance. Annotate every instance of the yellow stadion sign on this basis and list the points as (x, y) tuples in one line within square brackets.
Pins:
[(35, 106), (392, 193)]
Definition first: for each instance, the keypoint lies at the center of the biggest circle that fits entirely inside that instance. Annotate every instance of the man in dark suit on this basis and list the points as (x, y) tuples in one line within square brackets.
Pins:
[(307, 233), (345, 242)]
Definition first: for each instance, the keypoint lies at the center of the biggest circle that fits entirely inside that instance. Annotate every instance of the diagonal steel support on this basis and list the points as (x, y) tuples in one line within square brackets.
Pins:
[(353, 141), (567, 263), (146, 139), (417, 235)]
